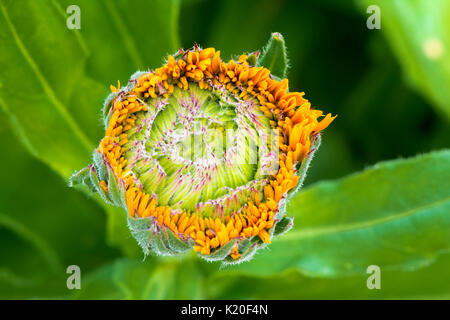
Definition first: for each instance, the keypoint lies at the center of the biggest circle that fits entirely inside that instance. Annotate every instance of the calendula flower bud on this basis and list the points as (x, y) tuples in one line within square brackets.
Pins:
[(203, 154)]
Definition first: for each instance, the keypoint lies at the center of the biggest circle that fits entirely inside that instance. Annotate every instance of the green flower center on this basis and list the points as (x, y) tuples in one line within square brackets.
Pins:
[(201, 150)]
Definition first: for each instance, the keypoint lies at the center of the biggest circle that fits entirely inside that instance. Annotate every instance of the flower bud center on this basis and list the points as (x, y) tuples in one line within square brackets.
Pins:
[(201, 150)]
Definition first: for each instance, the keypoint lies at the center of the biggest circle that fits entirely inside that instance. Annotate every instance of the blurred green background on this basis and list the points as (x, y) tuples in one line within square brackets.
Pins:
[(390, 88)]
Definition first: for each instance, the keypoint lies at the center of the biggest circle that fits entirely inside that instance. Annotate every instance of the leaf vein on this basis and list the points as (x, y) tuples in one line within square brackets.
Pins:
[(47, 88), (314, 232)]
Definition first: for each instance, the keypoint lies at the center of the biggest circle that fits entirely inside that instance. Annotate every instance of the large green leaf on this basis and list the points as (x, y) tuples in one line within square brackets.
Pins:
[(153, 279), (37, 83), (417, 30), (123, 36), (44, 226), (395, 215), (426, 283), (46, 84), (54, 80)]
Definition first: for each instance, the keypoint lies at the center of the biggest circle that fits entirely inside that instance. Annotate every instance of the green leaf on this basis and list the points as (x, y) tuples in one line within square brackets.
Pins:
[(34, 239), (56, 87), (44, 226), (54, 80), (274, 56), (417, 32), (154, 279), (135, 35), (426, 283), (36, 84), (394, 215)]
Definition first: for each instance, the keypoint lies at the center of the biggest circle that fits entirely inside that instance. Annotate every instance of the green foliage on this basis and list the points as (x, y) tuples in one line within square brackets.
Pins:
[(383, 216), (35, 93), (343, 227), (426, 283), (53, 82), (53, 96), (418, 34), (152, 279), (44, 227), (146, 30), (58, 87)]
